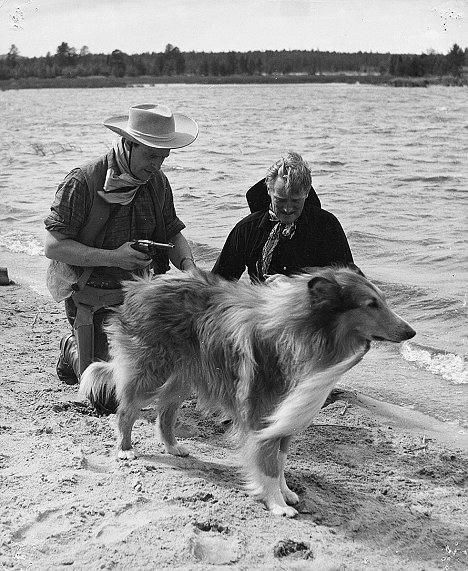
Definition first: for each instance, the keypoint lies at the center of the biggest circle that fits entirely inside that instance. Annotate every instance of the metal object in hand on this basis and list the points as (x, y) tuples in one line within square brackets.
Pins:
[(149, 247)]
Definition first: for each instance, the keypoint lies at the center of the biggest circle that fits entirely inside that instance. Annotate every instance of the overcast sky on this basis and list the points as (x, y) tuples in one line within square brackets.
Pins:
[(135, 26)]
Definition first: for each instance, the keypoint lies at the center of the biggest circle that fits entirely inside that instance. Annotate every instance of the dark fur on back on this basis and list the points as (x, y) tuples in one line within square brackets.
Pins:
[(265, 355)]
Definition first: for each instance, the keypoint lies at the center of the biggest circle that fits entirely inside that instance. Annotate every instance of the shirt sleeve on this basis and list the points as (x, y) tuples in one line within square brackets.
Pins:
[(172, 222), (231, 262), (70, 207)]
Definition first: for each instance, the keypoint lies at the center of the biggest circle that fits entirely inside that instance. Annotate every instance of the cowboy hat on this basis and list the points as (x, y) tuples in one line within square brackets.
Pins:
[(154, 126)]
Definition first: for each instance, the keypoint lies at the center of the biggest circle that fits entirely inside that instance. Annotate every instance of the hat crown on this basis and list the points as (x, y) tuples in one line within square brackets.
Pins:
[(151, 120), (154, 125)]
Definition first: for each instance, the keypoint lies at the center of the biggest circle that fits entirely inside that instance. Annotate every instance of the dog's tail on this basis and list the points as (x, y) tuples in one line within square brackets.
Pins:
[(98, 386), (304, 402)]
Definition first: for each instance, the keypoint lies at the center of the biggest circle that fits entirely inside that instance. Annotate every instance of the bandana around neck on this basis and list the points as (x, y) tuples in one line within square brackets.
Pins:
[(120, 188), (287, 230), (278, 230)]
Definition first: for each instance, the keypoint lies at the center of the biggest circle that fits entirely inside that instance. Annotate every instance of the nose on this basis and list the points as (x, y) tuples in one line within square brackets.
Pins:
[(410, 332)]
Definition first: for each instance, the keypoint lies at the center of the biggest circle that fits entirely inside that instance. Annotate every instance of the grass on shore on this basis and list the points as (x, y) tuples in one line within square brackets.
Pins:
[(102, 81)]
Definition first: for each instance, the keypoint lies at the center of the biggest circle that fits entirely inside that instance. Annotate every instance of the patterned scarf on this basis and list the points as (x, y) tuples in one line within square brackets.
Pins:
[(120, 188), (278, 230)]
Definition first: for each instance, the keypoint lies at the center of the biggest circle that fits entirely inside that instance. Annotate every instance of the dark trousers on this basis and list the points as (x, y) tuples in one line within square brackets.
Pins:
[(101, 347)]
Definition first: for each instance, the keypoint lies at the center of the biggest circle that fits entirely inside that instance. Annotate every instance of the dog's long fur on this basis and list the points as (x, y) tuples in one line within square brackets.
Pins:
[(267, 356)]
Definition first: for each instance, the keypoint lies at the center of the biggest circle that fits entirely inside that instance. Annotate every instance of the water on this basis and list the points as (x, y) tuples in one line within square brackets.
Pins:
[(389, 162)]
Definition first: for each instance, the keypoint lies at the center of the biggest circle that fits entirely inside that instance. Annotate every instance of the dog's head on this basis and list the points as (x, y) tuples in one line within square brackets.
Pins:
[(354, 306)]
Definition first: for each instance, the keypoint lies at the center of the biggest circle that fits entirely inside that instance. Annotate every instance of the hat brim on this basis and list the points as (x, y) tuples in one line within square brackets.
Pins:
[(186, 131)]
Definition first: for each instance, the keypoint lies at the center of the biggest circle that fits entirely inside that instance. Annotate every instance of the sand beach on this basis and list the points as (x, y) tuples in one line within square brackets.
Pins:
[(382, 487)]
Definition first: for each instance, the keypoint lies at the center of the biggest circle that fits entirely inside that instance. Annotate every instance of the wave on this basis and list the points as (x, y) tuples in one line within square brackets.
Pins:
[(190, 196), (9, 219), (204, 254), (437, 178), (21, 242), (455, 191), (374, 241), (450, 366), (332, 163)]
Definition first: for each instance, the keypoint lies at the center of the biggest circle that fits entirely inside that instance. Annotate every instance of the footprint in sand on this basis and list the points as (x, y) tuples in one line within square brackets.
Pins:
[(47, 524), (214, 544)]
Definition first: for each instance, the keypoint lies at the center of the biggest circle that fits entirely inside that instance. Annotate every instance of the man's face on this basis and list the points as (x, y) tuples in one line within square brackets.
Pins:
[(145, 161), (286, 205)]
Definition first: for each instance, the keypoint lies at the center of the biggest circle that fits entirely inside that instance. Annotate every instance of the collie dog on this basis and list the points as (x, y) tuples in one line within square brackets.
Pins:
[(265, 355)]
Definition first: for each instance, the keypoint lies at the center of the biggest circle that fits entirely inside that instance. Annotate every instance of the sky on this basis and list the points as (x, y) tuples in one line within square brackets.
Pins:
[(136, 26)]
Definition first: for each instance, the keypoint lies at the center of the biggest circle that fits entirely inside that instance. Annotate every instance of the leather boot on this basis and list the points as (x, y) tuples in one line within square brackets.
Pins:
[(68, 372), (68, 361)]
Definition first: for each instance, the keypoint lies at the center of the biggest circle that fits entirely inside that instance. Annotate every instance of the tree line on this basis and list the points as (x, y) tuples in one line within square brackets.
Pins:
[(70, 62)]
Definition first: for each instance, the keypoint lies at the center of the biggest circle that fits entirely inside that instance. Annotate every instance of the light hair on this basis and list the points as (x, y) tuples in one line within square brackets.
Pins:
[(294, 171)]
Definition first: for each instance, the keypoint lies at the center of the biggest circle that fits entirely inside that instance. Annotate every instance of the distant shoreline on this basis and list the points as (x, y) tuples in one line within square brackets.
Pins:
[(149, 81)]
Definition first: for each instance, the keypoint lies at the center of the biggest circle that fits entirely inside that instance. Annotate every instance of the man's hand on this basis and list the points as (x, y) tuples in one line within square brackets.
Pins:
[(128, 258), (60, 247)]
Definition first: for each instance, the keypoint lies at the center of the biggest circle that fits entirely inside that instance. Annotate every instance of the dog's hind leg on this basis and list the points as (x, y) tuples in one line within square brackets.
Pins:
[(265, 470), (173, 393), (289, 496), (166, 422)]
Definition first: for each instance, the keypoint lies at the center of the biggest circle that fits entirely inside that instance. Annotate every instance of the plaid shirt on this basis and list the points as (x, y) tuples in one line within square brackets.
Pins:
[(72, 204)]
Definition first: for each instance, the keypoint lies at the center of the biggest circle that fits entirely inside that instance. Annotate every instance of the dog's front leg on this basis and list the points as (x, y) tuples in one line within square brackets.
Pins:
[(290, 497), (126, 416), (270, 469)]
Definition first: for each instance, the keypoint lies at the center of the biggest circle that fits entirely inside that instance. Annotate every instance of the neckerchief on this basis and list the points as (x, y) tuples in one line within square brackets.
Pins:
[(278, 230), (120, 188)]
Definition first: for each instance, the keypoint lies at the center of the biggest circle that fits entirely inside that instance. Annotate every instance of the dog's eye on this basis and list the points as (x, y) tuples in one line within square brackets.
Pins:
[(373, 303)]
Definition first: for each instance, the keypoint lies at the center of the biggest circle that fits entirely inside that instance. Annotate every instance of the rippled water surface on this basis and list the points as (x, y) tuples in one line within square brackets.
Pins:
[(391, 163)]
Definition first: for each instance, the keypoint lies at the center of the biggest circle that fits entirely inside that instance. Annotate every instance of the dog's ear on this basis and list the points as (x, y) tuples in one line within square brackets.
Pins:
[(355, 269), (321, 287)]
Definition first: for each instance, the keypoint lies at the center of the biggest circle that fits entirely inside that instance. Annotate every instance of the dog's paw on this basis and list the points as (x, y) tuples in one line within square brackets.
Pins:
[(177, 450), (126, 454), (283, 511), (290, 497)]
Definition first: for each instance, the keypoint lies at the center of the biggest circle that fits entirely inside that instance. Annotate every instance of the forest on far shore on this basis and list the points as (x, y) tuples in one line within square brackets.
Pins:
[(68, 62)]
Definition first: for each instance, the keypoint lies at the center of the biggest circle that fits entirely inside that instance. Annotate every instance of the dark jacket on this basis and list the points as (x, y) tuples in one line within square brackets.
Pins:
[(319, 240)]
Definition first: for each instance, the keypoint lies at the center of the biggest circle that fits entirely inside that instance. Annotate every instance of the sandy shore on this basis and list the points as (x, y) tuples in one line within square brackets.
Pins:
[(380, 489)]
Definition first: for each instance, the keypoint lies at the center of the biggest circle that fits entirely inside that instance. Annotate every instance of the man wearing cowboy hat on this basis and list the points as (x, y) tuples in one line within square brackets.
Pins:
[(99, 213)]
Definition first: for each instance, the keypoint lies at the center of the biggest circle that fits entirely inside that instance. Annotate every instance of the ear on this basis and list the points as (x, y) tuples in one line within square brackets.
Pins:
[(321, 287)]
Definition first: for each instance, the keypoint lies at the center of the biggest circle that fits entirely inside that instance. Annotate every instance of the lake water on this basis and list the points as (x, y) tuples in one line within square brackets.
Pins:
[(391, 163)]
